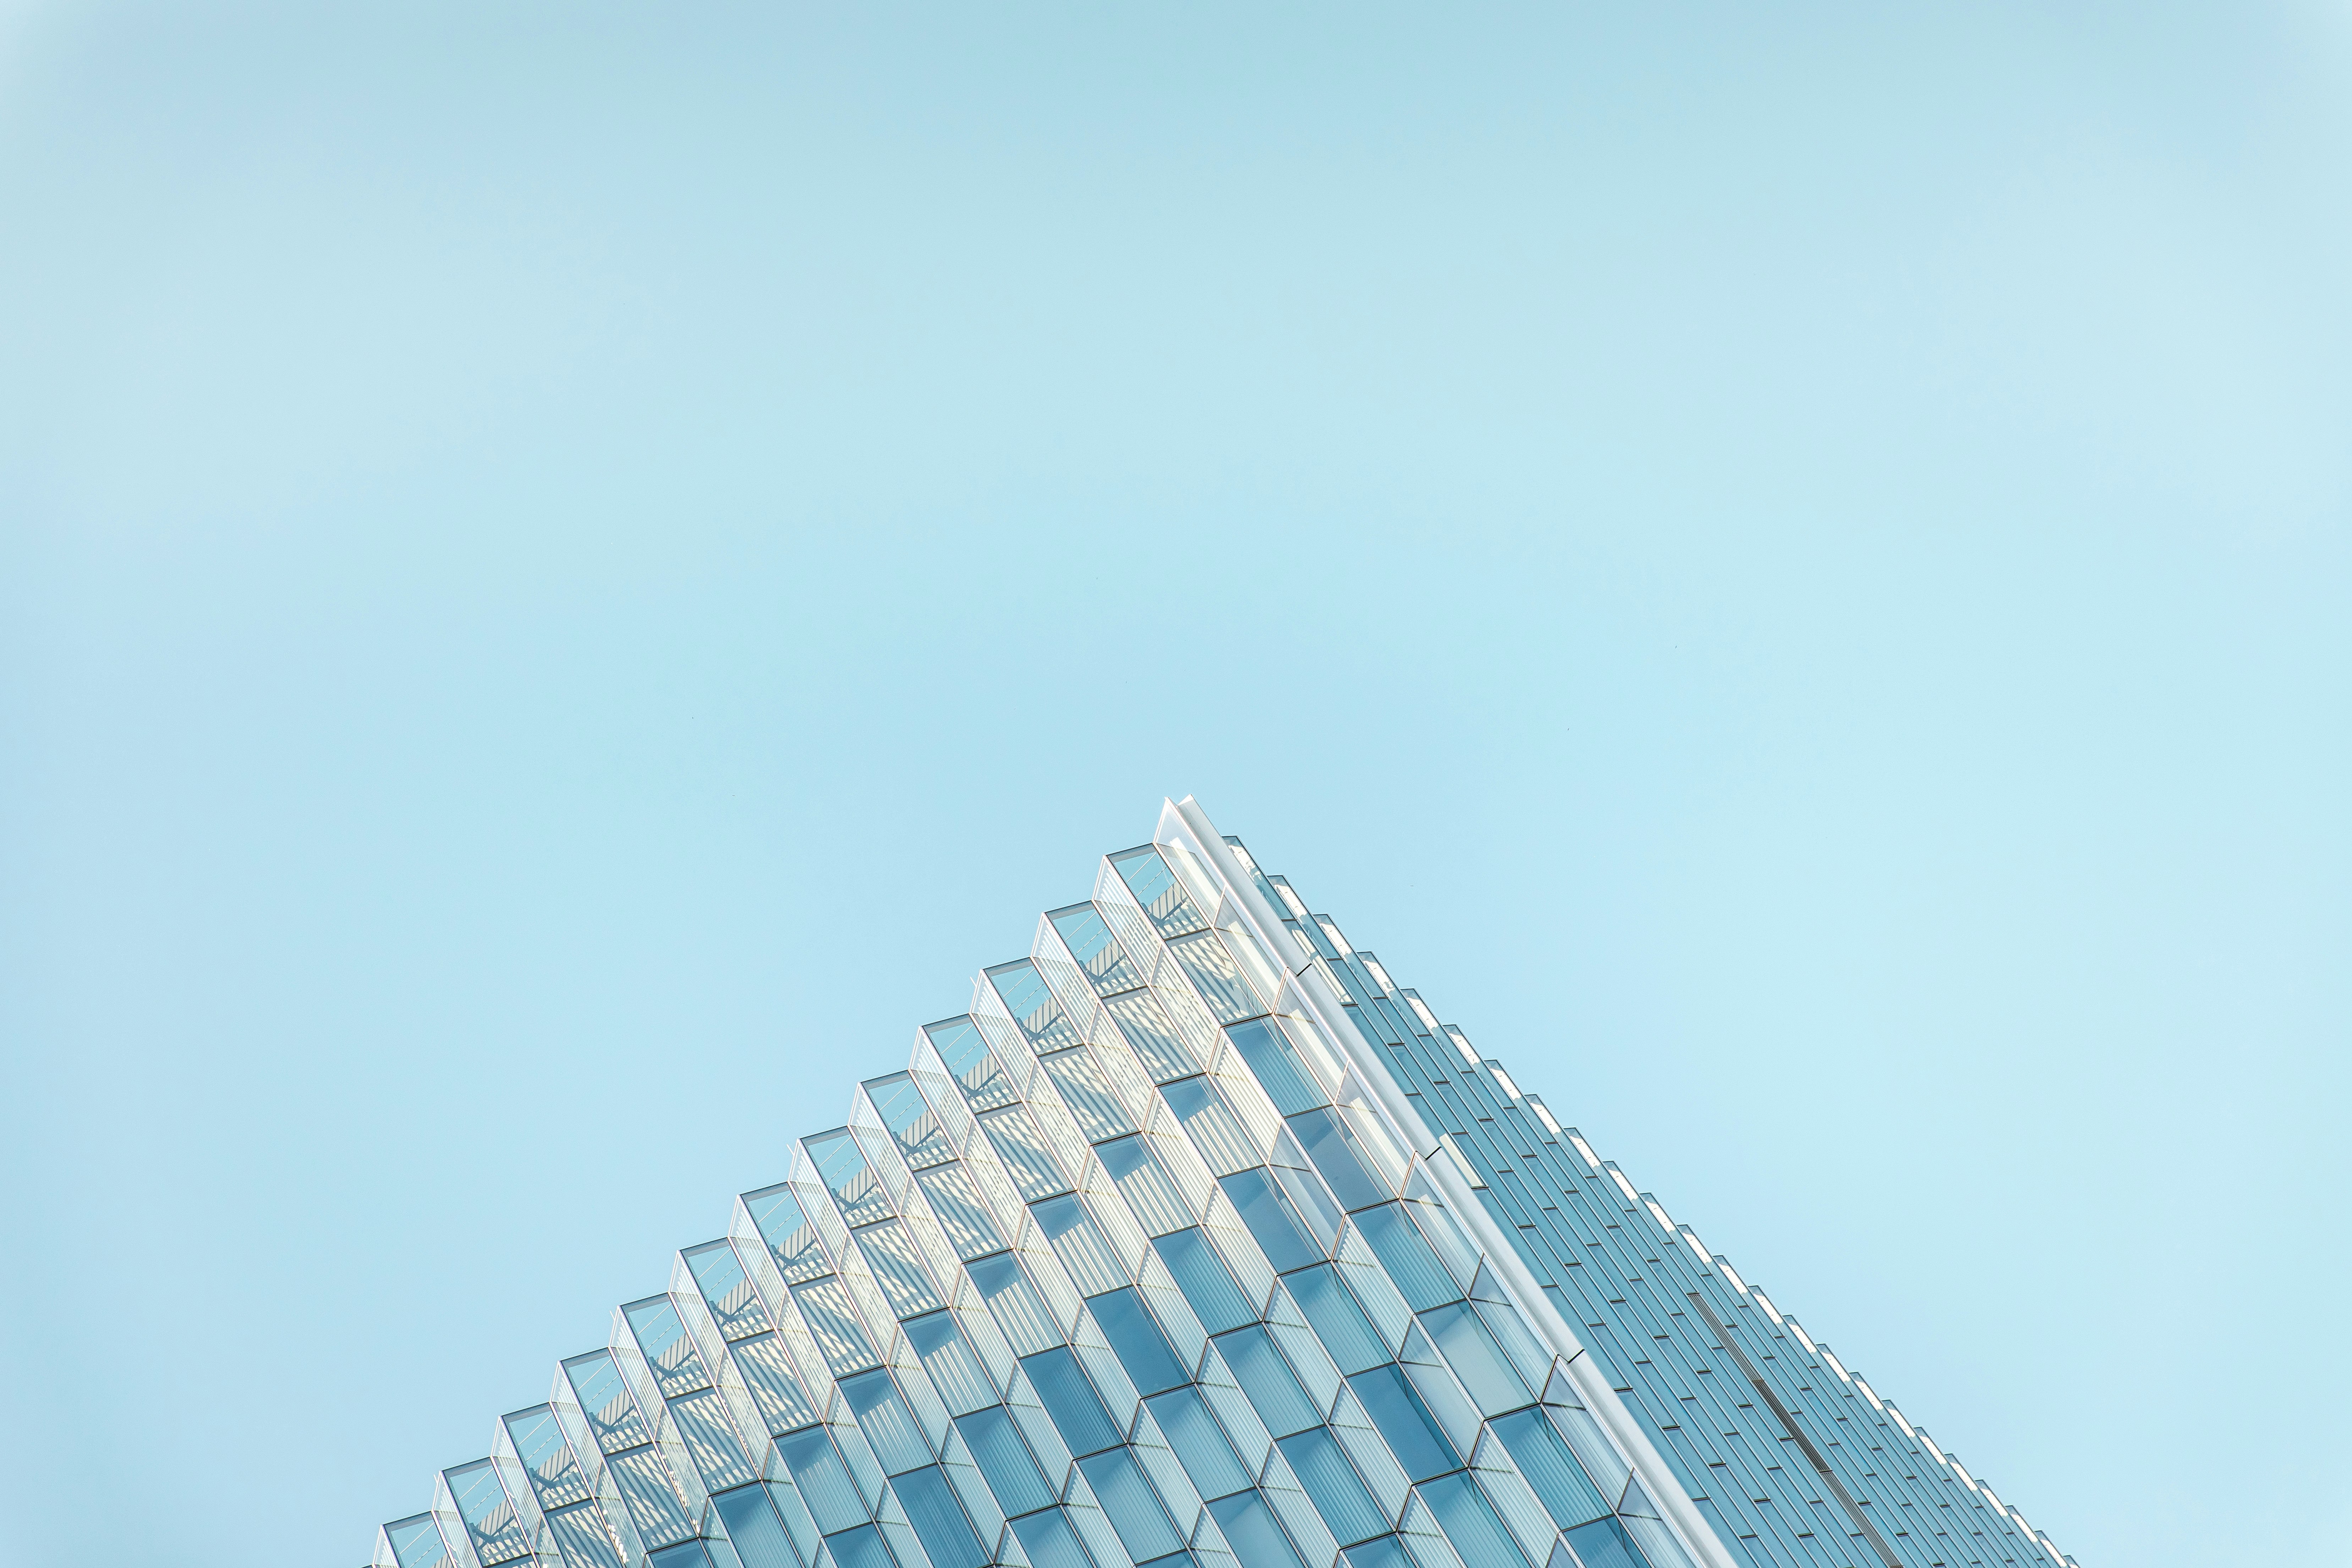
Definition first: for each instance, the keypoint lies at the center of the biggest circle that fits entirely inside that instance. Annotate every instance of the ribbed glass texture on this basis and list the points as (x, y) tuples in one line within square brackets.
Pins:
[(1198, 1242)]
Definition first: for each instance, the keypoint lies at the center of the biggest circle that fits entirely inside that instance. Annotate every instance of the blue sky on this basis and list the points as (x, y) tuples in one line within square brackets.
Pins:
[(569, 573)]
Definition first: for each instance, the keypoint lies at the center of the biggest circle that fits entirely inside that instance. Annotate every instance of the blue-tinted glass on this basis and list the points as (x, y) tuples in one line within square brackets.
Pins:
[(1273, 1388), (887, 1422), (1543, 1457), (939, 1524), (1050, 1541), (686, 1554), (1331, 1311), (1083, 930), (1274, 1062), (1252, 1531), (1157, 890), (1076, 1409), (1174, 1560), (1208, 1286), (1475, 1359), (950, 1364), (859, 1548), (1143, 1349), (1405, 1424), (752, 1525), (1406, 1256), (1440, 1393), (1278, 1232), (1469, 1522), (1005, 1459), (1333, 1151), (1018, 1309), (1310, 1200), (1383, 1551), (1337, 1493), (1132, 1505), (1604, 1544), (823, 1480), (1198, 1442)]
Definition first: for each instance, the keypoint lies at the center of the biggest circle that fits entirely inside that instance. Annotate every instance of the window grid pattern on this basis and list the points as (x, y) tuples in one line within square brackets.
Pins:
[(1127, 1269)]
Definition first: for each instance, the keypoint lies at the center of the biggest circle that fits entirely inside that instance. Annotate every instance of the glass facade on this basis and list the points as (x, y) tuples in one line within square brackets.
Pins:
[(1199, 1243)]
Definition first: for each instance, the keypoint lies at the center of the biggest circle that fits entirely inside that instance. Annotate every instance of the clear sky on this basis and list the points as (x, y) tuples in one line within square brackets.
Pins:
[(569, 573)]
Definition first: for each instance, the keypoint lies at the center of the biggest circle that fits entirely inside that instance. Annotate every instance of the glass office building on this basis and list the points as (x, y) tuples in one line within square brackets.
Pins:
[(1198, 1242)]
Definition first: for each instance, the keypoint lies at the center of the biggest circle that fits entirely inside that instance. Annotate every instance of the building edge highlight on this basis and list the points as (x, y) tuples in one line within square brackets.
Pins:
[(1199, 1242)]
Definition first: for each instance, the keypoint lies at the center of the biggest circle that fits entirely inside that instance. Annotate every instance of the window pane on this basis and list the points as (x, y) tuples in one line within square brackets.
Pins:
[(1603, 1544), (1404, 1423), (1071, 1400), (1275, 1064), (1253, 1533), (823, 1480), (963, 1383), (1566, 1493), (1141, 1346), (752, 1528), (1469, 1522), (1331, 1311), (1278, 1231), (1402, 1251), (1475, 1359), (939, 1521), (1331, 1482), (1005, 1460), (1049, 1541), (1208, 1286), (1130, 1504), (889, 1427), (1263, 1374), (1198, 1442)]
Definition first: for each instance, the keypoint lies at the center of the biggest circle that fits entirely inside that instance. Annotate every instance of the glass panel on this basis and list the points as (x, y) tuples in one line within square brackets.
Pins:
[(1208, 1286), (1154, 886), (689, 1554), (1049, 1541), (1270, 1220), (823, 1480), (1263, 1374), (1331, 1482), (1407, 1257), (1031, 1002), (849, 1177), (652, 1497), (661, 1338), (1082, 930), (962, 1384), (1214, 1128), (1566, 1493), (727, 1290), (1076, 1409), (787, 1233), (546, 1458), (889, 1427), (1330, 1309), (1404, 1423), (898, 1268), (751, 1528), (964, 1050), (859, 1548), (825, 1307), (582, 1537), (1603, 1544), (956, 1204), (1135, 1337), (768, 1372), (1023, 1149), (1158, 1042), (1469, 1522), (1015, 1304), (1093, 1266), (1005, 1460), (1275, 1061), (1087, 1092), (1219, 979), (701, 1420), (913, 1125), (1132, 1507), (1387, 1551), (490, 1519), (417, 1542), (1250, 1530), (1146, 1185), (604, 1401), (1308, 1196), (1198, 1442), (1475, 1359), (939, 1520), (1331, 1144)]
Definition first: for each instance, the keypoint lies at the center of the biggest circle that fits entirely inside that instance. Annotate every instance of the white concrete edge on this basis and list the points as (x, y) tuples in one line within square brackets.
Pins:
[(1185, 824)]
